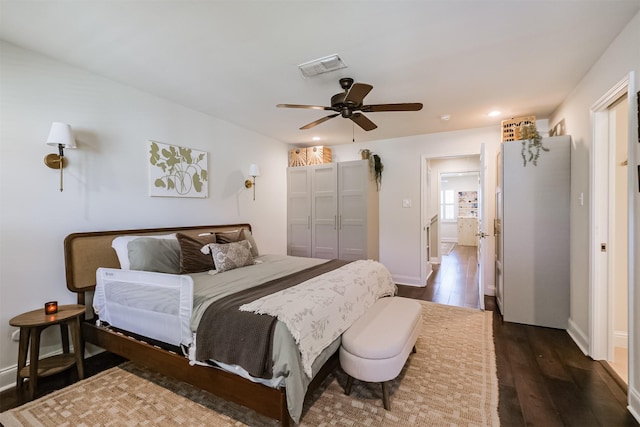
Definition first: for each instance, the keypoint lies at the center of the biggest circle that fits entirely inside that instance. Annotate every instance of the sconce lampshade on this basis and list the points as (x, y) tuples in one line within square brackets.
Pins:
[(254, 170), (61, 134)]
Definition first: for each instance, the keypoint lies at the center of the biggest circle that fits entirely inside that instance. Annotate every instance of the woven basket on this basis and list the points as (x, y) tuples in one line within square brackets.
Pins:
[(511, 128), (298, 157), (318, 155)]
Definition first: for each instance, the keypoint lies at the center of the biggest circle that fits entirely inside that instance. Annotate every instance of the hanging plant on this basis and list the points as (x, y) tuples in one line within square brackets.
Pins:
[(376, 167), (531, 144)]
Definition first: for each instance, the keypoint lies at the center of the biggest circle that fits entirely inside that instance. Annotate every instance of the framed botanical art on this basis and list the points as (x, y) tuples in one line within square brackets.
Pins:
[(177, 171)]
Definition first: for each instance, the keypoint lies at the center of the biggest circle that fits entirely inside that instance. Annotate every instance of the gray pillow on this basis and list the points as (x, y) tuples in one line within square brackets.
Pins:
[(254, 248), (236, 236), (227, 256), (159, 255)]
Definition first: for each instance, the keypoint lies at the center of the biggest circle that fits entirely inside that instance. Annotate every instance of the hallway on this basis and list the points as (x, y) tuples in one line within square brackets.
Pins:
[(453, 282)]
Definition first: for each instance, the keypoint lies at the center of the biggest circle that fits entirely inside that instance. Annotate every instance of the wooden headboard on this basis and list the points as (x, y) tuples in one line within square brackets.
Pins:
[(84, 253)]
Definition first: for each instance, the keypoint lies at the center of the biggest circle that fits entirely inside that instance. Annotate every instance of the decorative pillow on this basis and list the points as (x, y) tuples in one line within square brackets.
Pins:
[(159, 255), (227, 256), (120, 245), (236, 236), (192, 260), (254, 248), (229, 236)]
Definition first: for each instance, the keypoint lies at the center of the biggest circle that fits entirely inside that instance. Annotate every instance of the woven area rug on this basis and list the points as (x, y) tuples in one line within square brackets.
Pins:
[(450, 381)]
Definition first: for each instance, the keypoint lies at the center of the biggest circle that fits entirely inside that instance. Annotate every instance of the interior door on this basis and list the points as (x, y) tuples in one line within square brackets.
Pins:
[(299, 212), (353, 181), (482, 228), (324, 211)]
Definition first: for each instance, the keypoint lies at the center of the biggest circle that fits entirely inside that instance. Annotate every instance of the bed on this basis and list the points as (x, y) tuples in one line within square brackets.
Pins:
[(279, 392)]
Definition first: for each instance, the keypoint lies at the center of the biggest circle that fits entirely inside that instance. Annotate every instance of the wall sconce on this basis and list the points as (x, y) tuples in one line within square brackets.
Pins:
[(253, 172), (60, 135)]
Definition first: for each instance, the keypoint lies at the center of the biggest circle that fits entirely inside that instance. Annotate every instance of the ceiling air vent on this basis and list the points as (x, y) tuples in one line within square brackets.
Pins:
[(321, 66)]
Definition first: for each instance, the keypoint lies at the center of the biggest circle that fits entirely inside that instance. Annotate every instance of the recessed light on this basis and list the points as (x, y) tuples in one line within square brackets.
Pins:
[(445, 117), (316, 138), (494, 113)]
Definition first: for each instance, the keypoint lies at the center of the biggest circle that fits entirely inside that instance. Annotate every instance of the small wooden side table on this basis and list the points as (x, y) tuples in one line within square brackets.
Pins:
[(31, 324)]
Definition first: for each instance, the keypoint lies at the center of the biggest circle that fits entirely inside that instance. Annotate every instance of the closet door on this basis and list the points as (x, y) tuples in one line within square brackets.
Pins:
[(324, 211), (299, 211), (353, 211)]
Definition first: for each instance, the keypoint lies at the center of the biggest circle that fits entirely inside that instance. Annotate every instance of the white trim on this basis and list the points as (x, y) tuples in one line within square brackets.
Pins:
[(490, 290), (599, 324), (408, 280), (8, 374), (634, 403), (620, 339), (578, 336), (634, 322)]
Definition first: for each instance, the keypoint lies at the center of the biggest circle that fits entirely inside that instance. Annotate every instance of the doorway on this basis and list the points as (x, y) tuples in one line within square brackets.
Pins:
[(445, 180), (610, 324)]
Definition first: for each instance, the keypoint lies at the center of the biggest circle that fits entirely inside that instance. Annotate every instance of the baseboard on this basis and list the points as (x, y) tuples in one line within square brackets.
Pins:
[(634, 403), (449, 240), (8, 374), (579, 337), (620, 339), (408, 280), (490, 291)]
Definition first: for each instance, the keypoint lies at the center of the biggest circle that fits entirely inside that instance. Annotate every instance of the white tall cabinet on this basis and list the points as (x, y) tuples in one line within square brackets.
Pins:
[(332, 211), (532, 266)]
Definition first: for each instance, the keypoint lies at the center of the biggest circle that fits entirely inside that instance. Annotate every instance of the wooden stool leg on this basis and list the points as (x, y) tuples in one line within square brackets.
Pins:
[(22, 355), (78, 349), (33, 361), (347, 388), (385, 395), (64, 334)]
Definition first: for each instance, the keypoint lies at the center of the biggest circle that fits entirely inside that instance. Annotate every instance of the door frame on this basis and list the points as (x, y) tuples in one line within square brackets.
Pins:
[(600, 304), (424, 197)]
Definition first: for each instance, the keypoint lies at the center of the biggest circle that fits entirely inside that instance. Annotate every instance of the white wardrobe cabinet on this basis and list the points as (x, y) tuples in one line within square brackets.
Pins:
[(332, 211)]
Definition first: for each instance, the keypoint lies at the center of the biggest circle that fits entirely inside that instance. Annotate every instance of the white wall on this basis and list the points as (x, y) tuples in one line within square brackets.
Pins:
[(400, 228), (106, 180), (621, 58)]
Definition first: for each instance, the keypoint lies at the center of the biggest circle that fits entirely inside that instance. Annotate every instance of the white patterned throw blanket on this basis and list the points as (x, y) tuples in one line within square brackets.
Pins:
[(321, 309)]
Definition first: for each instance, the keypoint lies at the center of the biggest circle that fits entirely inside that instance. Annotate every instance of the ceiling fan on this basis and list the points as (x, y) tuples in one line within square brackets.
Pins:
[(349, 105)]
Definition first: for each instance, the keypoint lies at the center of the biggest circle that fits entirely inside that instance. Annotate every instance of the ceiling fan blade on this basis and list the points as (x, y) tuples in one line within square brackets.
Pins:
[(357, 93), (362, 121), (406, 106), (317, 122), (312, 107)]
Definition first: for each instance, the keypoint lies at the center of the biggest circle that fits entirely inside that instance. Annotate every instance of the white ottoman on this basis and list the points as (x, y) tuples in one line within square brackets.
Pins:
[(376, 346)]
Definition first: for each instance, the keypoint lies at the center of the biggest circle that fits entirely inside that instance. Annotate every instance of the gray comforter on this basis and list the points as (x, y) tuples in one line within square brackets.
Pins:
[(285, 355)]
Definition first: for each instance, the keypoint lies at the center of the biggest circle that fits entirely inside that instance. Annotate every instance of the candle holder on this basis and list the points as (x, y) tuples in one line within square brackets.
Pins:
[(51, 307)]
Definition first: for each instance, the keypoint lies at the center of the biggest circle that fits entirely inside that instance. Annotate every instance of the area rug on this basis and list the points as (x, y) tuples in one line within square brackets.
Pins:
[(450, 381), (447, 247)]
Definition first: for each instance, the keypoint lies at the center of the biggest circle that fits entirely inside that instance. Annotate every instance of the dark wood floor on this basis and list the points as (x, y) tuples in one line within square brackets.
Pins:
[(543, 378)]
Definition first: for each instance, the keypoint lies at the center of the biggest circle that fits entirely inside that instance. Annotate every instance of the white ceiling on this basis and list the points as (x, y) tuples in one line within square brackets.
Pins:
[(236, 60)]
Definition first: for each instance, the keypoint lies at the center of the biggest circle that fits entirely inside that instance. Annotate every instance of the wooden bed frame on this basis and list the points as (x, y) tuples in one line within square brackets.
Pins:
[(85, 252)]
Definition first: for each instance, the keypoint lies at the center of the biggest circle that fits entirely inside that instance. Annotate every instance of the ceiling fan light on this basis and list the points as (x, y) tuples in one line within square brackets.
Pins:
[(321, 66)]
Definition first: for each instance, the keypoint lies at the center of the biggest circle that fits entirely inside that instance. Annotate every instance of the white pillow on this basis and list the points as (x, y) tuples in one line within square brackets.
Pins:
[(120, 245)]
